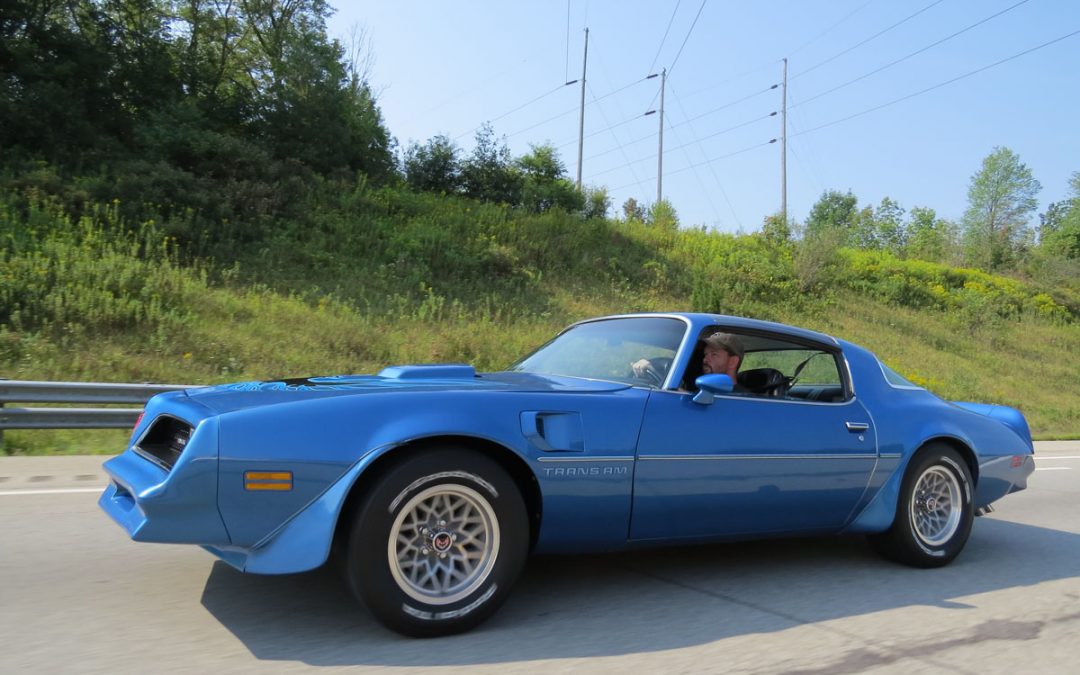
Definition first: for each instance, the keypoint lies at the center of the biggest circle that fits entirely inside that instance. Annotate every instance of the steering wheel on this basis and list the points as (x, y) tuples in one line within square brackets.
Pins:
[(648, 370)]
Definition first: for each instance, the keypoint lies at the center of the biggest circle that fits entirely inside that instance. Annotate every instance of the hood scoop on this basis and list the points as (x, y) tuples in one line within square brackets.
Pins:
[(453, 371)]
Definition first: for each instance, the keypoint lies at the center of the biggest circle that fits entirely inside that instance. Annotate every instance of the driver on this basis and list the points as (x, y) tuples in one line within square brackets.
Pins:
[(723, 355)]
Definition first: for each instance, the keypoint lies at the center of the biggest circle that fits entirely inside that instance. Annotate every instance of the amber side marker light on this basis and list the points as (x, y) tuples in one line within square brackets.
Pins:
[(268, 480)]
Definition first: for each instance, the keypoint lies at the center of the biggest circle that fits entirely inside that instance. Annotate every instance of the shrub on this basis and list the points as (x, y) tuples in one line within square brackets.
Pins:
[(92, 276)]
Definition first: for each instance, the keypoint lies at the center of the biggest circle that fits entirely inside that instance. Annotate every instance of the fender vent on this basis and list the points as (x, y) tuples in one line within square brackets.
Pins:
[(164, 441)]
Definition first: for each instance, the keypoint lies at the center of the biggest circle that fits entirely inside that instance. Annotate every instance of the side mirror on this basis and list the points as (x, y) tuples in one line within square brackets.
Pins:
[(711, 384)]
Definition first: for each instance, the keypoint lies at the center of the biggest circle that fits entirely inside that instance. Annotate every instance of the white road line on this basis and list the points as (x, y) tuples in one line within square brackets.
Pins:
[(68, 491), (1053, 468), (1052, 457)]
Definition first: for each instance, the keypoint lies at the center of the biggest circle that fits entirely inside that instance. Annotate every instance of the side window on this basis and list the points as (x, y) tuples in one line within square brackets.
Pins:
[(775, 366), (813, 366), (811, 374)]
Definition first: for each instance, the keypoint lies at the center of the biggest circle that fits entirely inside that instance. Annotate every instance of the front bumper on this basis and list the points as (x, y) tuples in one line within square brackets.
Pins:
[(177, 506)]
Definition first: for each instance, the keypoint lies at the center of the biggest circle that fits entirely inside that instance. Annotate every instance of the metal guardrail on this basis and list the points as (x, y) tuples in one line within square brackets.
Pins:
[(23, 391)]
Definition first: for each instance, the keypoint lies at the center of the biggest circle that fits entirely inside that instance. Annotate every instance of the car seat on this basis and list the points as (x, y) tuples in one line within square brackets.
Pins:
[(765, 382)]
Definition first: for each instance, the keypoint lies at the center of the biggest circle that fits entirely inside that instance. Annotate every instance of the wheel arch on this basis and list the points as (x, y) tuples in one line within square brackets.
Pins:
[(880, 513), (511, 462), (961, 447)]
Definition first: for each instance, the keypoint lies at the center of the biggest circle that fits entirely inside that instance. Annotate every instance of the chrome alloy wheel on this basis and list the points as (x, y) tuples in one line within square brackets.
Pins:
[(443, 544), (936, 506)]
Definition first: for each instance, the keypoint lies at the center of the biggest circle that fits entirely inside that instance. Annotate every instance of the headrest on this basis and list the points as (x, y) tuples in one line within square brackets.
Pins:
[(764, 380)]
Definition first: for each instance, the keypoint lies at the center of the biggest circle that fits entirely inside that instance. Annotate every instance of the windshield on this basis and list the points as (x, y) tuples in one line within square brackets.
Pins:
[(605, 350)]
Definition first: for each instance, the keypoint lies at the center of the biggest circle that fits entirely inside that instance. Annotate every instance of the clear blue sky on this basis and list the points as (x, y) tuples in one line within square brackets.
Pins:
[(444, 68)]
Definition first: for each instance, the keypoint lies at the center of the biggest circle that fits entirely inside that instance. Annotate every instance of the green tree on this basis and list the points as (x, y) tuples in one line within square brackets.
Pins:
[(1001, 199), (544, 184), (1051, 219), (663, 215), (597, 203), (889, 228), (816, 258), (833, 210), (866, 228), (632, 211), (434, 166), (1059, 233), (776, 230), (862, 231), (929, 237), (489, 173), (306, 105), (76, 77)]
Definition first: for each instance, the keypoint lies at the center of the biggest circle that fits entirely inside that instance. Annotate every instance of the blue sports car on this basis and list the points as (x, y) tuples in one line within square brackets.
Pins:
[(430, 484)]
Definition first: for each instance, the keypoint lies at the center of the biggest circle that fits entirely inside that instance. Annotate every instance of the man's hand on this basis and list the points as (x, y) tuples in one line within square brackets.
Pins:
[(645, 370)]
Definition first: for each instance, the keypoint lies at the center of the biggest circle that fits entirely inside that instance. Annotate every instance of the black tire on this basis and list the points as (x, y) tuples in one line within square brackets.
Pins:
[(934, 511), (437, 543)]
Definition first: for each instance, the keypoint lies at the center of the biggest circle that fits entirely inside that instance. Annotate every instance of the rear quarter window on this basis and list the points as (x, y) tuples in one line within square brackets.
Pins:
[(895, 379)]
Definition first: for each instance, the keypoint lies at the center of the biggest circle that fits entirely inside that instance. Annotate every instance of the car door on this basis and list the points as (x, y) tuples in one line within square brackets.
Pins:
[(744, 465)]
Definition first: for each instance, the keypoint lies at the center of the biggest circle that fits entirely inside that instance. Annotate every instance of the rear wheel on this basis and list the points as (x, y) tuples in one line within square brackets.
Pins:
[(934, 512), (438, 542)]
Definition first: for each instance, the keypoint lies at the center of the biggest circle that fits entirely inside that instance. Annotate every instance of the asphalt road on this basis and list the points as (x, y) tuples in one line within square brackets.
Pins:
[(77, 596)]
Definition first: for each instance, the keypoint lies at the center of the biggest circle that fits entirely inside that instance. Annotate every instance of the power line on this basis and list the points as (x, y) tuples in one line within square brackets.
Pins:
[(908, 56), (813, 163), (704, 190), (541, 123), (804, 166), (664, 39), (566, 70), (679, 53), (607, 128), (510, 112), (829, 29), (469, 90), (697, 117), (731, 103), (712, 170), (571, 110), (707, 161), (712, 135), (733, 128), (942, 84), (741, 75), (629, 164), (872, 37)]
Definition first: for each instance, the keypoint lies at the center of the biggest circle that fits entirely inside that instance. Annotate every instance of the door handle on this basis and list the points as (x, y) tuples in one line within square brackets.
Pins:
[(856, 427)]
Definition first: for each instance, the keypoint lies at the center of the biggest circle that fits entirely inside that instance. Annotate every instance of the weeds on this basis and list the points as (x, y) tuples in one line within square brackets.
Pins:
[(372, 277)]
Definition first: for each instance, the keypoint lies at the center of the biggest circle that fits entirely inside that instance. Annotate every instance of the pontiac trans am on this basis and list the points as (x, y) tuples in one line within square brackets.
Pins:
[(431, 484)]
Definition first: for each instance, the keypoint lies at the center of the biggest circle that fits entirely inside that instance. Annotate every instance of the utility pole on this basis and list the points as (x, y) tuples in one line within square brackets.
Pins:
[(783, 149), (660, 154), (581, 124)]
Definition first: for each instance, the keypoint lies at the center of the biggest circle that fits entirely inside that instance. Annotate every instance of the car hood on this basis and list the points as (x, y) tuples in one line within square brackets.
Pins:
[(395, 380)]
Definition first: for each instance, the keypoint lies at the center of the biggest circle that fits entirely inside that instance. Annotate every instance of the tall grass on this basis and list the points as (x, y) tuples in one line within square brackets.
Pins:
[(372, 277), (93, 277)]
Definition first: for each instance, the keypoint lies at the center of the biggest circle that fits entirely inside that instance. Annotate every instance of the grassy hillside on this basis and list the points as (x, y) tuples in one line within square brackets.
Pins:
[(372, 277)]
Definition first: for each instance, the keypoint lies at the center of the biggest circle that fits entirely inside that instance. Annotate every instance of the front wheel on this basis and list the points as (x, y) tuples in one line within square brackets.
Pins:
[(438, 542), (934, 512)]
